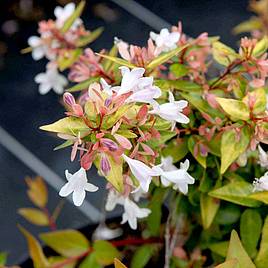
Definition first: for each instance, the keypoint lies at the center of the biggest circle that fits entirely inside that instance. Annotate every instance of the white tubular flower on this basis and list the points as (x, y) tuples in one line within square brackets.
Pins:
[(39, 50), (261, 184), (130, 79), (142, 87), (179, 178), (165, 40), (141, 172), (171, 111), (51, 79), (133, 212), (63, 13), (113, 199), (78, 185), (263, 157)]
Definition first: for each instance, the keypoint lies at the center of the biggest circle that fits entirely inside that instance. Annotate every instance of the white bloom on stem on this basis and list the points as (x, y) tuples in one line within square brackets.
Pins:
[(141, 172), (142, 87), (133, 212), (263, 157), (63, 13), (51, 79), (171, 111), (39, 50), (171, 175), (261, 184), (78, 185), (165, 40)]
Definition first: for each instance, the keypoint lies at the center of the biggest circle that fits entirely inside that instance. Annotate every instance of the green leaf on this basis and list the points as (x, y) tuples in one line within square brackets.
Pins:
[(110, 121), (77, 13), (219, 248), (68, 243), (236, 109), (176, 149), (236, 251), (262, 257), (179, 70), (259, 96), (155, 205), (68, 58), (261, 47), (142, 256), (192, 141), (118, 264), (59, 261), (90, 261), (223, 54), (250, 230), (228, 214), (196, 99), (209, 207), (89, 38), (260, 196), (67, 125), (105, 252), (231, 148), (35, 250), (165, 57), (253, 23), (182, 85), (236, 192), (34, 215), (64, 145), (3, 258), (129, 134), (233, 263), (119, 61), (83, 85)]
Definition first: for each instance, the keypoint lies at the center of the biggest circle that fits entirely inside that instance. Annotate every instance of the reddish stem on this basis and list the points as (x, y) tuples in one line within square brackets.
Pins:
[(52, 223)]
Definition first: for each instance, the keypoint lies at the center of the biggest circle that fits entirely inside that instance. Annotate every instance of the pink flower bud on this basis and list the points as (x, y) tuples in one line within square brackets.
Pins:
[(105, 165), (111, 145), (77, 110), (123, 141), (68, 99)]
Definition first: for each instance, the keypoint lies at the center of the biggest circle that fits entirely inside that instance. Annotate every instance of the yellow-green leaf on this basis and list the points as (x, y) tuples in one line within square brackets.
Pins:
[(248, 26), (262, 257), (119, 61), (118, 264), (260, 196), (236, 109), (3, 258), (233, 263), (34, 215), (68, 58), (209, 207), (182, 85), (259, 96), (231, 148), (89, 38), (77, 13), (142, 256), (236, 192), (105, 252), (67, 125), (35, 250), (261, 47), (83, 85), (223, 54), (37, 191), (68, 243), (219, 248), (90, 261), (236, 251), (165, 57)]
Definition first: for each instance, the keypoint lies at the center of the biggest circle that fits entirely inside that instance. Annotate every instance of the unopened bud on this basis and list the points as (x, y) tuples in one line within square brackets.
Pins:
[(68, 99), (111, 145), (105, 165)]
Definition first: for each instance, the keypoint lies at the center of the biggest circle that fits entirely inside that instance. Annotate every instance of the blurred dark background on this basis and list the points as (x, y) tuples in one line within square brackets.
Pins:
[(23, 110)]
